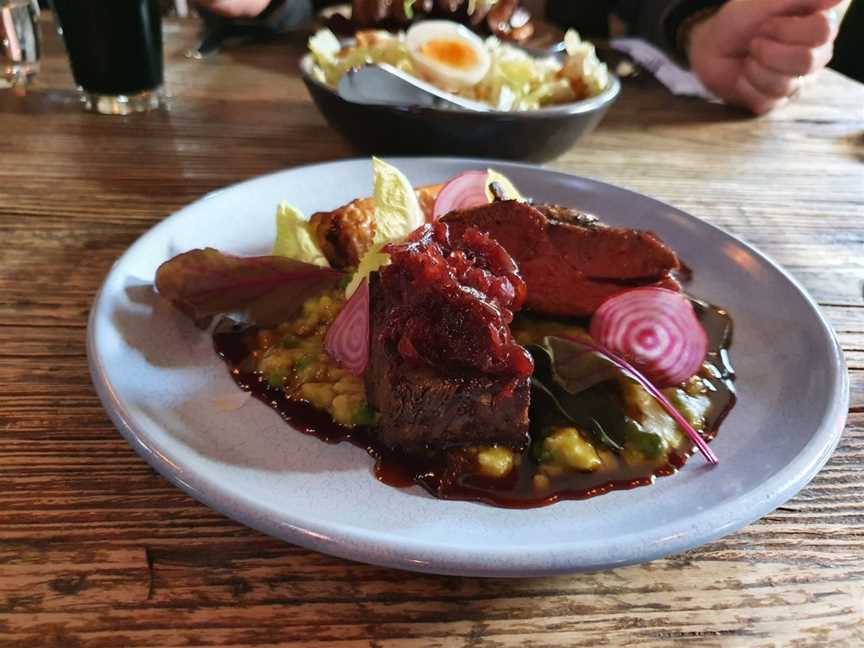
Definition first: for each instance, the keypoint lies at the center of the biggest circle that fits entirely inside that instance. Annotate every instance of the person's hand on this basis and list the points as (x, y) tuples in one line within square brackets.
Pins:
[(234, 8), (754, 53)]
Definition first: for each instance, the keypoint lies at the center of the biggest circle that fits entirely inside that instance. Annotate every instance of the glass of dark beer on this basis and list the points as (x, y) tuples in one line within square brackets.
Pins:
[(115, 48)]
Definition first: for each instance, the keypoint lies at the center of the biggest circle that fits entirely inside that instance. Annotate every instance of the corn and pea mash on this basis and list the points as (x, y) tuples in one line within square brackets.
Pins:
[(292, 356)]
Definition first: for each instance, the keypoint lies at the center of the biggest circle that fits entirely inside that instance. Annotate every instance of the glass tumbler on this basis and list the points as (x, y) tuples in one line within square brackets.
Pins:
[(115, 49), (20, 42)]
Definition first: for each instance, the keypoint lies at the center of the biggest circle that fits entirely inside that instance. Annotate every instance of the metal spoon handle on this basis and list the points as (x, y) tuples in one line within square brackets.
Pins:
[(382, 84)]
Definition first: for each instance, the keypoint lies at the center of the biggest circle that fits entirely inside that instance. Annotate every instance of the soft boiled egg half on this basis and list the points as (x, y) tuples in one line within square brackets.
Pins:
[(447, 54)]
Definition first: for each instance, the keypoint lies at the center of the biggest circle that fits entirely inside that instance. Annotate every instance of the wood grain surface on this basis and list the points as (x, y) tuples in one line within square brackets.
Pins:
[(98, 550)]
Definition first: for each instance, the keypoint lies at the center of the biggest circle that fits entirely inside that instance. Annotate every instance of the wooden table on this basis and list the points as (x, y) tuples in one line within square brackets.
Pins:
[(98, 550)]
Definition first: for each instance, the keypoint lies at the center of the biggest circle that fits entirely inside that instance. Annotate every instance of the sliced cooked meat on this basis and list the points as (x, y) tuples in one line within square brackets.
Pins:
[(570, 262), (557, 213), (558, 293), (595, 250), (346, 233)]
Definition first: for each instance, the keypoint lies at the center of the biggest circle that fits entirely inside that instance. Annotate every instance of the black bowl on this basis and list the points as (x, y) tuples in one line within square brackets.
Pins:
[(528, 135)]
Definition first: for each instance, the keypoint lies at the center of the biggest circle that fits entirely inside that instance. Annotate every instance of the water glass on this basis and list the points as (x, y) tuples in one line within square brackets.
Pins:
[(20, 42)]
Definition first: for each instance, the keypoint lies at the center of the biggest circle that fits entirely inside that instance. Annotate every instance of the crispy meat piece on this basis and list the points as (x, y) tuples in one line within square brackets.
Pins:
[(423, 407), (571, 263), (426, 197), (506, 19), (345, 234)]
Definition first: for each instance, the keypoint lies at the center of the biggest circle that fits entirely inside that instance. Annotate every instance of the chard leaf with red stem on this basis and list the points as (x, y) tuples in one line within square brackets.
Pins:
[(267, 290)]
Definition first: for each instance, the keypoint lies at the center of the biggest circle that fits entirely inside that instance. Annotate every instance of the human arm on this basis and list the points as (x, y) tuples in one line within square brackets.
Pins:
[(748, 52), (753, 53), (271, 14), (235, 8)]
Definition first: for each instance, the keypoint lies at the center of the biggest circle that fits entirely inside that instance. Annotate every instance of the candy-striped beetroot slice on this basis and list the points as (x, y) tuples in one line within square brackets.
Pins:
[(654, 329), (347, 340)]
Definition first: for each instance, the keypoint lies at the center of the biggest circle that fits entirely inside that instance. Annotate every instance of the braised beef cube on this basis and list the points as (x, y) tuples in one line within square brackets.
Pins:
[(421, 407)]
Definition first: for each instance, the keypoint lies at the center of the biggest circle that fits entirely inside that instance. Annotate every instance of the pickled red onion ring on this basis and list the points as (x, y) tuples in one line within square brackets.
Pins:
[(465, 191)]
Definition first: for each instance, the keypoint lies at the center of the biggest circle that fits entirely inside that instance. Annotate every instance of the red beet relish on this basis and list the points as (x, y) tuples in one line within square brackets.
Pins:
[(454, 302)]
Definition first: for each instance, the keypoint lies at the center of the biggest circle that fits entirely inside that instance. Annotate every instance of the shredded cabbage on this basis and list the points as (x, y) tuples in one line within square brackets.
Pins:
[(516, 80), (397, 211), (324, 47), (371, 47), (397, 214), (369, 263), (582, 63), (293, 238)]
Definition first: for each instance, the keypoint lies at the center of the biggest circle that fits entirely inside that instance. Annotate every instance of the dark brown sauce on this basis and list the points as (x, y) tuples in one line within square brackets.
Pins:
[(684, 273), (448, 474)]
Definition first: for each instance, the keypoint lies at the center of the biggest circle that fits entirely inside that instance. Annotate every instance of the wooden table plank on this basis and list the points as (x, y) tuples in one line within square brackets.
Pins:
[(97, 550)]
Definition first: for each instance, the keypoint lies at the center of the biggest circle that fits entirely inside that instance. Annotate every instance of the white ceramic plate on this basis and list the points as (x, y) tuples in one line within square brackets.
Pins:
[(172, 398)]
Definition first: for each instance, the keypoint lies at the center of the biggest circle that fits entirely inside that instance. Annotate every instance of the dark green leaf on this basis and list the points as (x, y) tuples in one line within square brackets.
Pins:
[(537, 384), (576, 367), (599, 433), (570, 410)]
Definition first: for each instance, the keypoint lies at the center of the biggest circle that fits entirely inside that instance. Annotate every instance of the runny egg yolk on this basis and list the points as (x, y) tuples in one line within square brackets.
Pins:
[(450, 52)]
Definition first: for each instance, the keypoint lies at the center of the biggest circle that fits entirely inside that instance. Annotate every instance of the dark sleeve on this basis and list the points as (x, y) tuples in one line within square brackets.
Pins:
[(658, 21), (654, 20), (285, 14), (589, 17), (848, 57)]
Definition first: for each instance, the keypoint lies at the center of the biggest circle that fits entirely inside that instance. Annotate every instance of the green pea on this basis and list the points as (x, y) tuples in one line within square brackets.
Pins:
[(289, 342), (276, 378), (302, 363), (540, 453), (364, 416), (647, 443)]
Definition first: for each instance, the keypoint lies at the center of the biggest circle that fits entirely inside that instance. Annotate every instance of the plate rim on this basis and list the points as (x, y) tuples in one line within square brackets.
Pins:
[(513, 561)]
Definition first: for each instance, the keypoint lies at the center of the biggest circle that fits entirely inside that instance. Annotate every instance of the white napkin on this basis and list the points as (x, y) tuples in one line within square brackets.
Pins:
[(678, 80)]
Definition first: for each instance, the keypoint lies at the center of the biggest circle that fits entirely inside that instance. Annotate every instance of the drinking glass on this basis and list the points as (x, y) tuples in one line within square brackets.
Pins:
[(115, 49), (20, 42)]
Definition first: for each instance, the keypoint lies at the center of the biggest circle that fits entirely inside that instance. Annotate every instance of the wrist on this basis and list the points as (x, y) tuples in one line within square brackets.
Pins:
[(692, 30), (679, 21)]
